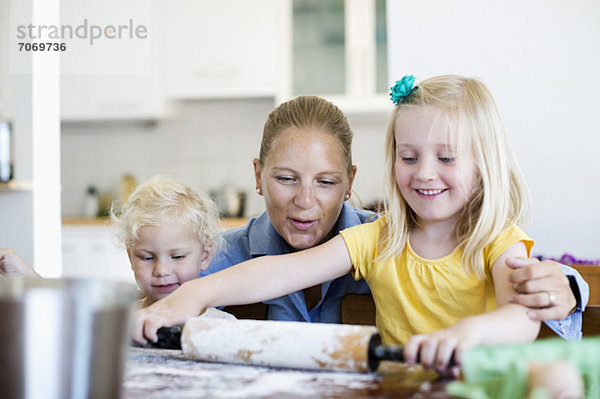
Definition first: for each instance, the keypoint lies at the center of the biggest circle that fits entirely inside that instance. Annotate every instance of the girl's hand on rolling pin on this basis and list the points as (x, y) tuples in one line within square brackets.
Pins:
[(438, 349), (173, 310), (12, 264), (542, 287)]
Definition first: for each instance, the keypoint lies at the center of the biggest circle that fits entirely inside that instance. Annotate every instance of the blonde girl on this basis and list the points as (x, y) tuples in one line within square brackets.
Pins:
[(170, 233), (436, 260)]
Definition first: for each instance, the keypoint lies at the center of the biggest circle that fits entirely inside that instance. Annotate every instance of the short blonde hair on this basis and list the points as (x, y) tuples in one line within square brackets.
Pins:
[(159, 201), (501, 196)]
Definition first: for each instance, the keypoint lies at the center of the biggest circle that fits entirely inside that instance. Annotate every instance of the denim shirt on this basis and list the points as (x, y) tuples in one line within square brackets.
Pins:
[(570, 327), (259, 238)]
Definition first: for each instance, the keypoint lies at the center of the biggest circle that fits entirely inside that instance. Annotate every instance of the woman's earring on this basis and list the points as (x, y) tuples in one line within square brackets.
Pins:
[(347, 197), (259, 191)]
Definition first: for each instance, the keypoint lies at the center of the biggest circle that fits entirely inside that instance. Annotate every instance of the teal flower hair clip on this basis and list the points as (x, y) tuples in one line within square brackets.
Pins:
[(402, 89)]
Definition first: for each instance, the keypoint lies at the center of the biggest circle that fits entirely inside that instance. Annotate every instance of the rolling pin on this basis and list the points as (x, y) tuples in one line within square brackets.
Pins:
[(313, 346)]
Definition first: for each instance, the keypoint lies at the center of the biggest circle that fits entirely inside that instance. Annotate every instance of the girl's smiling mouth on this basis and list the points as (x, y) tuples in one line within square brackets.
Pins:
[(429, 192)]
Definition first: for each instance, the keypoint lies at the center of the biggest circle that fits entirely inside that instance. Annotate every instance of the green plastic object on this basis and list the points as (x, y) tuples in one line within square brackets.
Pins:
[(501, 372)]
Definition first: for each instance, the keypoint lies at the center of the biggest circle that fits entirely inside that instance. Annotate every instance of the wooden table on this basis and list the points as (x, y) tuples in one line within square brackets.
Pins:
[(161, 373)]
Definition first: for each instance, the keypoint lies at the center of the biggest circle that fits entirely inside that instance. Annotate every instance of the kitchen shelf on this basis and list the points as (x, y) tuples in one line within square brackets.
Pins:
[(13, 186)]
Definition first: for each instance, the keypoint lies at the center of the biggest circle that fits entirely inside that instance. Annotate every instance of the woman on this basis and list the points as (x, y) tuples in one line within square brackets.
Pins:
[(305, 174)]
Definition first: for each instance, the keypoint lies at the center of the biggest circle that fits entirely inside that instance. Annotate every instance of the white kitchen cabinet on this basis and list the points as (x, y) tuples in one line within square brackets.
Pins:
[(226, 48), (118, 75), (90, 251), (105, 97), (195, 49), (339, 51)]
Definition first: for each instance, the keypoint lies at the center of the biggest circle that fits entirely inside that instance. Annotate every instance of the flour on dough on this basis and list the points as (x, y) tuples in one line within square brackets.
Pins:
[(214, 313)]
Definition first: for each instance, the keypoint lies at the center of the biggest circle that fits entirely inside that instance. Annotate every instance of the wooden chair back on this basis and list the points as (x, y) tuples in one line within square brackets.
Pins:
[(358, 309), (254, 311), (591, 321)]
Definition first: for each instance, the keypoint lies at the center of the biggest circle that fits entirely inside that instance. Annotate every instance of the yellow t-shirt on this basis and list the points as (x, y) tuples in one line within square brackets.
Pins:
[(414, 295)]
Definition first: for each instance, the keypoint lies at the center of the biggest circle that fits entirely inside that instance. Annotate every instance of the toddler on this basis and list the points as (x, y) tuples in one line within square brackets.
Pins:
[(170, 233)]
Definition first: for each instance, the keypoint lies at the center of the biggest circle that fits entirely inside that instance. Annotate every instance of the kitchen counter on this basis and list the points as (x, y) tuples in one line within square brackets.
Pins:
[(161, 373), (226, 223)]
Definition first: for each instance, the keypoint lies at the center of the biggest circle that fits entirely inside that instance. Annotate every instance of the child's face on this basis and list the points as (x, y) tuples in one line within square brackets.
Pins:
[(433, 180), (165, 257)]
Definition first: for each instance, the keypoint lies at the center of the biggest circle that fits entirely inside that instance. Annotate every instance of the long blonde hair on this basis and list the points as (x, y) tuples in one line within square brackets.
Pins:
[(500, 197)]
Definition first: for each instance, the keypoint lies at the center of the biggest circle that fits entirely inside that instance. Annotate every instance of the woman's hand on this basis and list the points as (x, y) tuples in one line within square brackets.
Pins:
[(542, 287), (173, 310), (438, 349), (12, 264)]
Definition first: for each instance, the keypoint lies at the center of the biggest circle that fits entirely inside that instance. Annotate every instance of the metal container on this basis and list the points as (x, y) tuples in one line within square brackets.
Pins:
[(63, 338), (230, 201)]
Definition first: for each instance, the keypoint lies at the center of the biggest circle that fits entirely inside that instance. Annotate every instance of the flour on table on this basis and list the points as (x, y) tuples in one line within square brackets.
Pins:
[(163, 373)]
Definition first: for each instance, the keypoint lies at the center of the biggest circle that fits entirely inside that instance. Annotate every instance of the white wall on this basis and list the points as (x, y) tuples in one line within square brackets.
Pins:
[(541, 60), (206, 144)]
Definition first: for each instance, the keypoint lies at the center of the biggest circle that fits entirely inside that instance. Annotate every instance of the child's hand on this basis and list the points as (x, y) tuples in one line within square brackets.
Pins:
[(438, 349), (542, 287), (12, 264), (558, 379), (172, 310)]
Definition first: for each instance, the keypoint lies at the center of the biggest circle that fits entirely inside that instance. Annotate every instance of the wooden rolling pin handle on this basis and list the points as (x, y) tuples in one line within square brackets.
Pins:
[(168, 338), (379, 352)]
